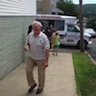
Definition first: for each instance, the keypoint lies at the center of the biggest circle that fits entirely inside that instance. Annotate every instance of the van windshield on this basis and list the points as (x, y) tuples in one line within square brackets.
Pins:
[(58, 24)]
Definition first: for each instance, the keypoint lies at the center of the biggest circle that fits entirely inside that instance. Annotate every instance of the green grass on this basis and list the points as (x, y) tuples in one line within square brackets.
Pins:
[(85, 73)]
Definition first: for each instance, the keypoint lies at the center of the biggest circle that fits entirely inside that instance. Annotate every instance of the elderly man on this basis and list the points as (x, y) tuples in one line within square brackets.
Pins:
[(38, 48)]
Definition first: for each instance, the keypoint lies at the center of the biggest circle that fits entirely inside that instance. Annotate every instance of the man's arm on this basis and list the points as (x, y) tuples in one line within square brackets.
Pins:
[(46, 57), (29, 29), (27, 45)]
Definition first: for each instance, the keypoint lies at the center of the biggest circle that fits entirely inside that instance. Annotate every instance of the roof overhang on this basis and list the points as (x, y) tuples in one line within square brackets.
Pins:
[(56, 10)]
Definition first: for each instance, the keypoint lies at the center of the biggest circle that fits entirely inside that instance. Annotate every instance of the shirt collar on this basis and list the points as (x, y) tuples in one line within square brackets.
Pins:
[(38, 35)]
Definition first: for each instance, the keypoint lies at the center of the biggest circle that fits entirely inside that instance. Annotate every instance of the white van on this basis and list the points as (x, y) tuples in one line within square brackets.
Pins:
[(67, 28)]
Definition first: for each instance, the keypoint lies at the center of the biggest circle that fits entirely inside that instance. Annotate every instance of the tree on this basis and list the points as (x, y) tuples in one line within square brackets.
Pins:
[(68, 7), (81, 27)]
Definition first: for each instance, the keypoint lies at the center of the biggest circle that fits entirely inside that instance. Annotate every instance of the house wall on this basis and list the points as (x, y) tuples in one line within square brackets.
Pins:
[(43, 6), (46, 6), (13, 32)]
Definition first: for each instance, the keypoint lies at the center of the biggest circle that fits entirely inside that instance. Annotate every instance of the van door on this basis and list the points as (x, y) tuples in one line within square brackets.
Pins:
[(72, 35)]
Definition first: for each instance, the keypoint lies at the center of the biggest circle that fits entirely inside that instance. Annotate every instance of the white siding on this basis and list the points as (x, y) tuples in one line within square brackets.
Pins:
[(17, 7)]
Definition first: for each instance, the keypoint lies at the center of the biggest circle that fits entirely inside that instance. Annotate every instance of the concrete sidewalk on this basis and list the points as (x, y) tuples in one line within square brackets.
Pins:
[(60, 79)]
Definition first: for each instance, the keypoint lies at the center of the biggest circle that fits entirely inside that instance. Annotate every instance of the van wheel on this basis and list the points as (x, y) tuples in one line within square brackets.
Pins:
[(85, 44)]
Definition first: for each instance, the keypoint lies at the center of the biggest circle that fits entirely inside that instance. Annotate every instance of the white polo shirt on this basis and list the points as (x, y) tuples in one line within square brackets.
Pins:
[(38, 45)]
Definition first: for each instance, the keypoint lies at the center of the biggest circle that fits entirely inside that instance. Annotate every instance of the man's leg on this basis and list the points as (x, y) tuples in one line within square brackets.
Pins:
[(41, 73), (41, 76), (29, 72)]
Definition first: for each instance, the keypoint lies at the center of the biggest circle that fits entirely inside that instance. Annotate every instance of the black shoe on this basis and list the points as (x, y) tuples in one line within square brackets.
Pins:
[(31, 88), (39, 91)]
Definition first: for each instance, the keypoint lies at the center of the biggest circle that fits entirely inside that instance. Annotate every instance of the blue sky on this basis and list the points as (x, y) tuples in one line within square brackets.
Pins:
[(85, 1)]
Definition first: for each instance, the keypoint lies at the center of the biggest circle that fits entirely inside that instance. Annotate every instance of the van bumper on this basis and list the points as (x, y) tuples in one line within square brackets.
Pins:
[(90, 43)]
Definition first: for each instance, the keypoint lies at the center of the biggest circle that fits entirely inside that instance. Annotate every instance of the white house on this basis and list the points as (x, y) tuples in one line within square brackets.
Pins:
[(17, 7)]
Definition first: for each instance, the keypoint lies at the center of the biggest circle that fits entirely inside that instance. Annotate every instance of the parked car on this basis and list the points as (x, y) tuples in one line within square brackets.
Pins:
[(91, 32)]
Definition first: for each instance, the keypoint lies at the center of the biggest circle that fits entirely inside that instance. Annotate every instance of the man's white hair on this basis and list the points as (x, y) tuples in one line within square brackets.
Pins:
[(37, 22)]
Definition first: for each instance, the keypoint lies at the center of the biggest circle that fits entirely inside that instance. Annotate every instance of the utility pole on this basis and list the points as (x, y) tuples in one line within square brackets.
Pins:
[(81, 27)]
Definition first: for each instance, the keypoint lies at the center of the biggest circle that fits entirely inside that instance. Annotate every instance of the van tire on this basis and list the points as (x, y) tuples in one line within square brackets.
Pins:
[(85, 44)]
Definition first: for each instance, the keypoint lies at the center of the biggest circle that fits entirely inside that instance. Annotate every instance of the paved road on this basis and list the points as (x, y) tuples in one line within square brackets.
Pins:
[(92, 49)]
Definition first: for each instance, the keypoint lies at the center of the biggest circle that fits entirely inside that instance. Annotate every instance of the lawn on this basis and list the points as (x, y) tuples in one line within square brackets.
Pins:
[(85, 74)]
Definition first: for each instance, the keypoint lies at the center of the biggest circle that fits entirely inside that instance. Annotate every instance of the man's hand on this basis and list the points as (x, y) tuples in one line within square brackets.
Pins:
[(47, 57), (26, 48), (46, 64)]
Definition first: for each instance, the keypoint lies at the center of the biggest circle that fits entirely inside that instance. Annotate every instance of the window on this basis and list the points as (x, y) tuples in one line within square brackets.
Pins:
[(72, 28), (58, 24)]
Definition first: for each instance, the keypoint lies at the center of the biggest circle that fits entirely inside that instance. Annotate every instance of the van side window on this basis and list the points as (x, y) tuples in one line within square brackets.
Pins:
[(59, 25), (72, 28)]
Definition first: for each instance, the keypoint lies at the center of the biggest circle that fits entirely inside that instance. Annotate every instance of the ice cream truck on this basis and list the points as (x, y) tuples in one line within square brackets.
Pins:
[(67, 28)]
